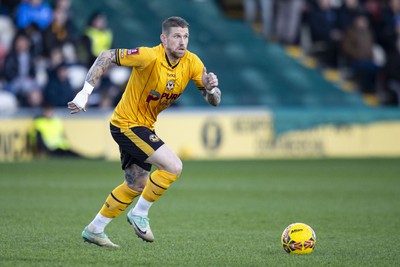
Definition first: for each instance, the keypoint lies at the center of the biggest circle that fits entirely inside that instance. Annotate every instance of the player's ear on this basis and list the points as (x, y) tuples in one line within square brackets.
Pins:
[(163, 38)]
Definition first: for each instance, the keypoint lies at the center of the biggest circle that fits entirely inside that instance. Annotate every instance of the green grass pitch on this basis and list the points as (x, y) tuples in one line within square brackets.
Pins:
[(222, 213)]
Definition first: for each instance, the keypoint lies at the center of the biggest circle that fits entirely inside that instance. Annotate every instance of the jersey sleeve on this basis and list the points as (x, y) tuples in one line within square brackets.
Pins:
[(138, 57), (197, 72)]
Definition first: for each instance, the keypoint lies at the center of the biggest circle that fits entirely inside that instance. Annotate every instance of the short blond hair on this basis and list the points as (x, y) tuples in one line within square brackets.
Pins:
[(173, 22)]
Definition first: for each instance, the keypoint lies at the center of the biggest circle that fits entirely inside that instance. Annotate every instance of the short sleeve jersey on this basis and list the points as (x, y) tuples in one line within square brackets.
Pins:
[(154, 84)]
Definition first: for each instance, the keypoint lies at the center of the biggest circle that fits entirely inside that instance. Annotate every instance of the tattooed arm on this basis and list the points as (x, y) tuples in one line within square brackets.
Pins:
[(98, 68), (213, 98), (101, 64)]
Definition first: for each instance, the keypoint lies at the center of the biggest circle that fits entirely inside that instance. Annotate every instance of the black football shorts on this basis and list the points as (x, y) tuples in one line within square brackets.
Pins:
[(136, 145)]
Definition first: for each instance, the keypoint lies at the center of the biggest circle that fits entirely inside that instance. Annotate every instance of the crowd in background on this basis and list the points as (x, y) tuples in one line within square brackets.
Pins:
[(44, 59), (361, 38)]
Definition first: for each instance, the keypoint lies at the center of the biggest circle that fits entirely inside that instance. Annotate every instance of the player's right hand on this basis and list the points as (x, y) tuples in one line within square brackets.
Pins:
[(79, 102), (209, 80)]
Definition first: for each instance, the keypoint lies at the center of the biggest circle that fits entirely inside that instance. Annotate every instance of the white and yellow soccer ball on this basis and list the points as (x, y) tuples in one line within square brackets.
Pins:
[(298, 238)]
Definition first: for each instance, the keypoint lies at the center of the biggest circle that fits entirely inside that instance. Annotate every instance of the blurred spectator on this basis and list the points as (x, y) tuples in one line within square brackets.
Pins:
[(19, 70), (358, 48), (7, 33), (251, 8), (33, 11), (36, 37), (374, 11), (55, 59), (391, 16), (47, 136), (34, 98), (325, 37), (392, 70), (347, 12), (58, 90), (64, 6), (288, 18), (97, 37), (58, 33)]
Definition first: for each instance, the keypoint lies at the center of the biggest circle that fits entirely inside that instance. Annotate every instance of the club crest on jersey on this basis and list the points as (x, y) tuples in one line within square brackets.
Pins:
[(134, 51), (170, 85), (154, 138)]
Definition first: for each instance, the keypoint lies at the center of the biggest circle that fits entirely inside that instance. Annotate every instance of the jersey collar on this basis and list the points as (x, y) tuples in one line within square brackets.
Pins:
[(169, 63)]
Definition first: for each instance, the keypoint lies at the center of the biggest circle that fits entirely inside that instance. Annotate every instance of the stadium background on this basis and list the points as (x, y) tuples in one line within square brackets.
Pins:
[(222, 211), (274, 104)]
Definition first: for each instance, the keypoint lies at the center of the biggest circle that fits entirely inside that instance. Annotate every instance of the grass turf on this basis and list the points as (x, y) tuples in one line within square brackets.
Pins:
[(223, 213)]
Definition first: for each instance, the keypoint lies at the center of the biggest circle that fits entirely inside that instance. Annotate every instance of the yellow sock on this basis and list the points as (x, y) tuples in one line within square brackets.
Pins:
[(157, 184), (118, 200)]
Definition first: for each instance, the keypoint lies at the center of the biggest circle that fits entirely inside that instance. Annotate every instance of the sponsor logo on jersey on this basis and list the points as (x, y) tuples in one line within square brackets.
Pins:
[(165, 99), (134, 51), (170, 85), (154, 138), (168, 98), (154, 95)]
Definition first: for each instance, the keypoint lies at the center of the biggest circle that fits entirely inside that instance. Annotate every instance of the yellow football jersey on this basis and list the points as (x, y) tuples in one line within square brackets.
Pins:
[(154, 84)]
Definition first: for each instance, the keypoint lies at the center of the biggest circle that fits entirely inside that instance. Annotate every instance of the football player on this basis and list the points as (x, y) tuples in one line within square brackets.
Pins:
[(159, 76)]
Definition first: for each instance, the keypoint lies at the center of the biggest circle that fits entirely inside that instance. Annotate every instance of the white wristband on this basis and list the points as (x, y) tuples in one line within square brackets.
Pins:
[(211, 92), (87, 88)]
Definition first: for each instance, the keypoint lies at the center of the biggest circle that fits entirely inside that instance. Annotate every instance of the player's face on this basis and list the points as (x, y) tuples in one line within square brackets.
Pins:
[(175, 43)]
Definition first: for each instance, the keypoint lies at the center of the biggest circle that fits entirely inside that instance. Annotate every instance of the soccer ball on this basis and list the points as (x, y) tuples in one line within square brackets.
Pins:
[(298, 238)]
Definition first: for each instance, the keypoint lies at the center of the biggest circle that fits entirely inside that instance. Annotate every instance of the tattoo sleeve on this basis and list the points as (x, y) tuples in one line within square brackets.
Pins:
[(101, 64), (212, 99)]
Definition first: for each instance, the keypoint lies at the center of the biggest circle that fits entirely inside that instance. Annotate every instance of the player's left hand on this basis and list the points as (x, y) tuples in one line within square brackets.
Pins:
[(81, 99), (79, 102), (209, 80)]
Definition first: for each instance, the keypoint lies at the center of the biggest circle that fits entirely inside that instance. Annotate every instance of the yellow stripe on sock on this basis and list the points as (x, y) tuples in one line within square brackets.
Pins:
[(118, 200)]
